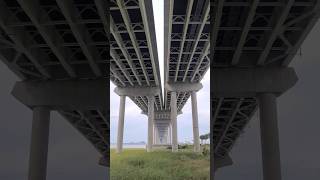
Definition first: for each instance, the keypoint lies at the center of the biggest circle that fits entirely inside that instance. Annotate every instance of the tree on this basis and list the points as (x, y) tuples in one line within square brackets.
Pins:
[(204, 137)]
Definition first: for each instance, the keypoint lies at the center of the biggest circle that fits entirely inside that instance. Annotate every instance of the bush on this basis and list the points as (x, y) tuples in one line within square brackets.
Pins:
[(205, 151), (182, 146)]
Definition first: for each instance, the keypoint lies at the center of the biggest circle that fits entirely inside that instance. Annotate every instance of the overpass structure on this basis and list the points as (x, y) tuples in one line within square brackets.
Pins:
[(58, 50), (253, 43), (134, 67), (186, 59)]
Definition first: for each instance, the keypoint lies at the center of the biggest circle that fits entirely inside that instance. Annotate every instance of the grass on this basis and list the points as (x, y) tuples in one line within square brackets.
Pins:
[(137, 164)]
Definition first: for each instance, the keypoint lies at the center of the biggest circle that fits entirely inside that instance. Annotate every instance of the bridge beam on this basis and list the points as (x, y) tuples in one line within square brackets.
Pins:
[(183, 87), (62, 95), (249, 82), (39, 143), (269, 137), (121, 124), (137, 91)]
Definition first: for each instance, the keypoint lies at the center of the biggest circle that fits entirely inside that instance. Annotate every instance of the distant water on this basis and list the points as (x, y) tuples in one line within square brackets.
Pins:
[(130, 146)]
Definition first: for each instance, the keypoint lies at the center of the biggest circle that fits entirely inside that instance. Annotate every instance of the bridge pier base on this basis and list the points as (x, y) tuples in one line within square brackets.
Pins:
[(150, 123), (39, 143), (196, 138), (121, 124), (173, 106), (269, 137)]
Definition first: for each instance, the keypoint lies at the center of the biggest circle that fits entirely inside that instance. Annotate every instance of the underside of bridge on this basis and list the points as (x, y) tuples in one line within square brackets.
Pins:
[(134, 67), (253, 42), (58, 50)]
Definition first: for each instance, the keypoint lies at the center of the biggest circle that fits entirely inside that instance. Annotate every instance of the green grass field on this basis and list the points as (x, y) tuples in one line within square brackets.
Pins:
[(137, 164)]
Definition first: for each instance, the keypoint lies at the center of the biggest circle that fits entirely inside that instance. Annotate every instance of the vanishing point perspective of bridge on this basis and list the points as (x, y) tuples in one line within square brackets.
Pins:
[(134, 65), (252, 45), (61, 50)]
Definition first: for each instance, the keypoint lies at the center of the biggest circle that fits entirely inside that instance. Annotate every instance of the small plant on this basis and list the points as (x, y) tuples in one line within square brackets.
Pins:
[(136, 163), (205, 151)]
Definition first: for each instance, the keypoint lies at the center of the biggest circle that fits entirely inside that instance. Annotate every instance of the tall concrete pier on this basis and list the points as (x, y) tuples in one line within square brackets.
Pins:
[(140, 81), (61, 64), (249, 70)]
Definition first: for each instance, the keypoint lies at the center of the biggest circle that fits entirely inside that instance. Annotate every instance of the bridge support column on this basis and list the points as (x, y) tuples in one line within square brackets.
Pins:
[(168, 137), (170, 133), (150, 122), (196, 138), (121, 124), (269, 137), (39, 143), (155, 141), (173, 106)]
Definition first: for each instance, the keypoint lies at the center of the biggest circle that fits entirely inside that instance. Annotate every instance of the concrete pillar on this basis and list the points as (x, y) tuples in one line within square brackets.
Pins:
[(269, 137), (155, 134), (173, 106), (154, 137), (170, 133), (39, 143), (196, 138), (121, 124), (168, 136), (150, 122), (158, 136)]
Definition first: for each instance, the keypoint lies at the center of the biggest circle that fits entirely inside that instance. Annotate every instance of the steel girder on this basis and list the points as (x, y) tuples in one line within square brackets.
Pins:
[(250, 34), (187, 26), (133, 50), (59, 40), (230, 116), (260, 33)]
